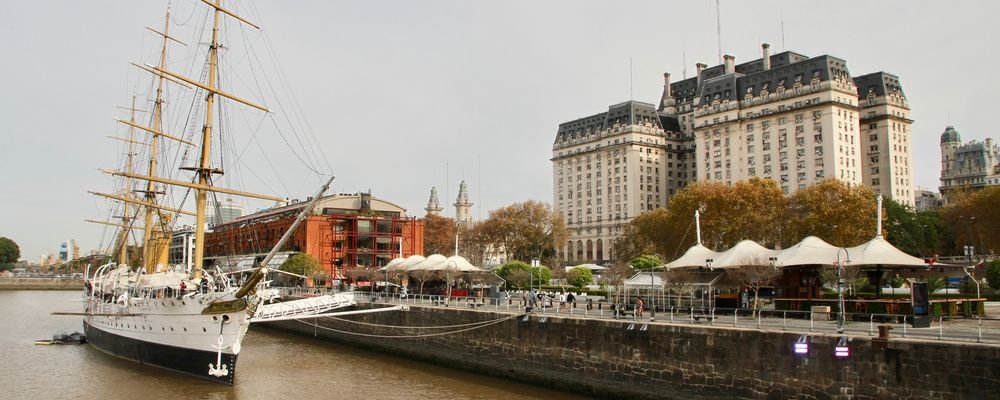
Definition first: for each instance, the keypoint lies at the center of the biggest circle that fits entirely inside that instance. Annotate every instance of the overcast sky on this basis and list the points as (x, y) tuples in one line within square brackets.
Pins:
[(405, 95)]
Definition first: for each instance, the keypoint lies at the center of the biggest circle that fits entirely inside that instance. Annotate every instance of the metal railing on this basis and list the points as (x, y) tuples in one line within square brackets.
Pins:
[(978, 329)]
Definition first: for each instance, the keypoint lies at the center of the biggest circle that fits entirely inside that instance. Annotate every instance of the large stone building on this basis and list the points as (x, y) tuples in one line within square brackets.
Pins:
[(786, 117), (973, 165), (344, 231), (796, 120), (609, 167)]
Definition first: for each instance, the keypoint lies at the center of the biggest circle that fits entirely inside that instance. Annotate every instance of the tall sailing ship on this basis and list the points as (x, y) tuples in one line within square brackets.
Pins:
[(192, 318)]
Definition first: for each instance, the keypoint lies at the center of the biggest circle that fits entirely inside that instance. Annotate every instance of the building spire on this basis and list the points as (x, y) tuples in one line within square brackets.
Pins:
[(463, 206), (433, 204)]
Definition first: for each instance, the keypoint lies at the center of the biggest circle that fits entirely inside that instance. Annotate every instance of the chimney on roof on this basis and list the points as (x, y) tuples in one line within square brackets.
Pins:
[(667, 101), (765, 50), (729, 64), (699, 67)]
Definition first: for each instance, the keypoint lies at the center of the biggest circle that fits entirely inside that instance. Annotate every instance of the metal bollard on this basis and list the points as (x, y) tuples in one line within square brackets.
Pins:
[(736, 315), (871, 325), (979, 339), (784, 320), (940, 327), (811, 323)]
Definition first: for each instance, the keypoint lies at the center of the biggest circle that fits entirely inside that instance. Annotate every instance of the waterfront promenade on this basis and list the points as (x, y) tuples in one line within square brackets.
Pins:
[(729, 356), (984, 330)]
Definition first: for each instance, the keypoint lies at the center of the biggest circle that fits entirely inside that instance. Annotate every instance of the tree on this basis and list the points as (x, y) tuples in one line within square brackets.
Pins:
[(922, 234), (971, 216), (993, 274), (752, 209), (516, 273), (439, 235), (422, 276), (580, 277), (646, 262), (474, 244), (523, 231), (840, 214), (9, 251), (754, 274), (680, 281), (617, 274), (301, 264)]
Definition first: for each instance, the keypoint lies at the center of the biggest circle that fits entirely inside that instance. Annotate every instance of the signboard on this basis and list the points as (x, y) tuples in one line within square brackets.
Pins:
[(919, 298)]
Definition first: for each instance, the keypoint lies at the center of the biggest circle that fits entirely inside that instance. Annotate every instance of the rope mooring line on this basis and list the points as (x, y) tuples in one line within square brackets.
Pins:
[(316, 325), (415, 327)]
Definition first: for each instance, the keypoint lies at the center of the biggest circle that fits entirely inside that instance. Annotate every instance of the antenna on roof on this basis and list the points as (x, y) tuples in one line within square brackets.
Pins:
[(684, 69), (630, 96), (718, 28), (783, 48)]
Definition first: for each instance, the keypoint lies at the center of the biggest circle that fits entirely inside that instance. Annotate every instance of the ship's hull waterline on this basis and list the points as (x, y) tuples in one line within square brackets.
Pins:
[(178, 359)]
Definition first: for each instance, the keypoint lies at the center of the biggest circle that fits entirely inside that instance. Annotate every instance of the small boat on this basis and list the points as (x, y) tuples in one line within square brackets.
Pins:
[(64, 338)]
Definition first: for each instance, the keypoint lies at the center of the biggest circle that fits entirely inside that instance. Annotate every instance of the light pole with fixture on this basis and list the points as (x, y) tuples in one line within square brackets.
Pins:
[(840, 289)]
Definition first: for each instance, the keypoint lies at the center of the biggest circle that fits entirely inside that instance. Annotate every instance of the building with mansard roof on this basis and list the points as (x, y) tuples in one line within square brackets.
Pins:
[(786, 117), (973, 165)]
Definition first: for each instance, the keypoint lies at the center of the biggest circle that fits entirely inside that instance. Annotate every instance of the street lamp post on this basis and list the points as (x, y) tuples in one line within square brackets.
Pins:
[(840, 289)]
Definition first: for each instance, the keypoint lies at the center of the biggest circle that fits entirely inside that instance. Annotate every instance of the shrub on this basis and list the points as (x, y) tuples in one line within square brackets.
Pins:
[(993, 274)]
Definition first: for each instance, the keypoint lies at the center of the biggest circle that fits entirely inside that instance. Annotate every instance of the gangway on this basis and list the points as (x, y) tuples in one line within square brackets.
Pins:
[(303, 307)]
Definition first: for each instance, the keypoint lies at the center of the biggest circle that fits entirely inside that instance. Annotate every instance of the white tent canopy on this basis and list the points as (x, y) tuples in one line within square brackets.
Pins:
[(744, 253), (434, 262), (461, 264), (642, 280), (694, 257), (810, 251), (879, 251)]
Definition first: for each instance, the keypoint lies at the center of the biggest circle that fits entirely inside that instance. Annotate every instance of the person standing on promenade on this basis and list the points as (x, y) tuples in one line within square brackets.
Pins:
[(571, 299), (638, 307)]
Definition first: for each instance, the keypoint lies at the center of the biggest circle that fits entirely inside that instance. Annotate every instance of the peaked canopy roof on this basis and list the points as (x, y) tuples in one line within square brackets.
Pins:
[(694, 257), (810, 251), (744, 253), (879, 251), (434, 262)]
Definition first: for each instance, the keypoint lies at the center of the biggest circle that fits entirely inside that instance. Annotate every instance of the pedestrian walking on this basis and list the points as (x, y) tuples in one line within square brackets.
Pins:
[(638, 307), (571, 299)]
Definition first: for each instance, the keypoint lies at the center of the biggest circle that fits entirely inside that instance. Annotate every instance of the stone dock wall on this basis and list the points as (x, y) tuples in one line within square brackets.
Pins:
[(605, 358), (41, 284)]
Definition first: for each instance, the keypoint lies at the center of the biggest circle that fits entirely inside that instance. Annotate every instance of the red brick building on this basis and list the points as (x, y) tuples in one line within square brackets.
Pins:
[(344, 231)]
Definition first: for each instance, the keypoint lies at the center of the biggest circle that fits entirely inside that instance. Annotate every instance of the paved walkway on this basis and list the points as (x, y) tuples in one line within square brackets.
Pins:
[(967, 330)]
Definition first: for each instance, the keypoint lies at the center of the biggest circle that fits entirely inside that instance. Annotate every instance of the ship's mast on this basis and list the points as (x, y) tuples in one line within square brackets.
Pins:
[(150, 254), (203, 170), (126, 219)]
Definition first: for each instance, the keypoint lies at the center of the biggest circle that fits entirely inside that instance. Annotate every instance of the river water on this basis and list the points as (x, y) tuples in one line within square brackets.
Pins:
[(272, 365)]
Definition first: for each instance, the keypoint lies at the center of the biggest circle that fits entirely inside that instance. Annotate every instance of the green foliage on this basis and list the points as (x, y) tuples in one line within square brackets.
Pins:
[(580, 277), (646, 262), (9, 251), (302, 264), (972, 216), (933, 284), (936, 309), (993, 274), (516, 273), (921, 234)]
